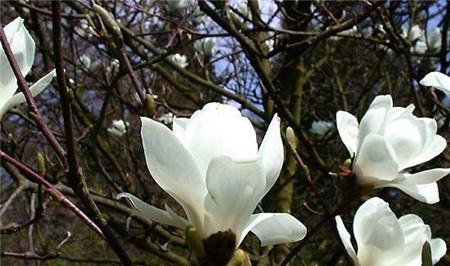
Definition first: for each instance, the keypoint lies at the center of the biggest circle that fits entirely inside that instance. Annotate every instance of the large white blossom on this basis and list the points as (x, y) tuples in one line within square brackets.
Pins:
[(23, 48), (438, 80), (384, 240), (390, 140), (210, 164)]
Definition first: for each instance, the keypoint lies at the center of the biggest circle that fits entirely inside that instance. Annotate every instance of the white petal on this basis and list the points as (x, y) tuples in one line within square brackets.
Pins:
[(234, 190), (426, 193), (271, 152), (35, 89), (424, 177), (152, 213), (179, 126), (173, 168), (275, 228), (438, 80), (375, 118), (375, 160), (438, 249), (346, 239), (377, 233), (416, 233), (434, 146), (407, 136), (219, 130), (23, 48), (347, 126)]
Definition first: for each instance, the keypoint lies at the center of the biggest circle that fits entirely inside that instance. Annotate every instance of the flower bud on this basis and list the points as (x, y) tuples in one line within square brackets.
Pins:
[(150, 105), (291, 138), (41, 163), (110, 23)]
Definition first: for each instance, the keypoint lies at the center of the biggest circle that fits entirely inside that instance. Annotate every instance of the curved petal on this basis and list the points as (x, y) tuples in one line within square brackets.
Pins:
[(275, 228), (35, 89), (346, 239), (271, 152), (219, 130), (234, 190), (426, 193), (424, 177), (438, 80), (436, 146), (152, 213), (416, 233), (347, 126), (23, 48), (438, 249), (377, 233), (375, 118), (407, 136), (375, 161), (173, 168)]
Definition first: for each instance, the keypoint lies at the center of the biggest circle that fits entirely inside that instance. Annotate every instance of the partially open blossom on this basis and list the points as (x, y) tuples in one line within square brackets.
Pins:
[(387, 142), (205, 46), (118, 128), (23, 48), (438, 80), (211, 165), (382, 239), (180, 60)]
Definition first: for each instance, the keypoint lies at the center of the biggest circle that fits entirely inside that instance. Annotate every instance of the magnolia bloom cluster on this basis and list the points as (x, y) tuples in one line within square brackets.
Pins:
[(23, 48), (205, 46), (382, 239), (180, 60), (438, 80), (421, 41), (389, 140), (118, 127), (211, 165)]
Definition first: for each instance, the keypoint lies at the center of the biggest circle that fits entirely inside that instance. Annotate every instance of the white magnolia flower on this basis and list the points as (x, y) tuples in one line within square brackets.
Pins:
[(23, 48), (438, 80), (210, 164), (422, 41), (270, 44), (415, 33), (166, 118), (321, 127), (206, 46), (85, 60), (118, 128), (180, 60), (389, 140), (382, 239)]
